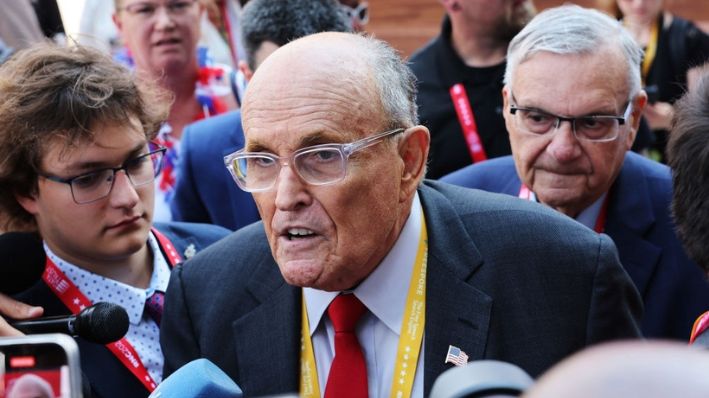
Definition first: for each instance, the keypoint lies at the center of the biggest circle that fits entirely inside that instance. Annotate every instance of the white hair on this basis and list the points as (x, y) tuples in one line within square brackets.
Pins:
[(394, 81), (570, 29)]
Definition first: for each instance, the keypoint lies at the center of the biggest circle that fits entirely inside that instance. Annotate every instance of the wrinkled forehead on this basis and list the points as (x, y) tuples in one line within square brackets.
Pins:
[(309, 90)]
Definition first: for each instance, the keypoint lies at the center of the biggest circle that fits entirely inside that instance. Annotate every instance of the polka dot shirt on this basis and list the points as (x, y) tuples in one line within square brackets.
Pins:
[(143, 333)]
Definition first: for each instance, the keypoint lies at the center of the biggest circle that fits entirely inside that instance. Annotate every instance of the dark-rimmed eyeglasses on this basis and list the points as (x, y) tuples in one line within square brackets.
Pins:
[(359, 14), (316, 165), (595, 128), (96, 185), (147, 9)]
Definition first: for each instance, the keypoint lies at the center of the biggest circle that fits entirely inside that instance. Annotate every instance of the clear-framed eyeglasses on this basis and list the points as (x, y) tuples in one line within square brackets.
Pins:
[(316, 165), (358, 14), (595, 128), (96, 185), (147, 9)]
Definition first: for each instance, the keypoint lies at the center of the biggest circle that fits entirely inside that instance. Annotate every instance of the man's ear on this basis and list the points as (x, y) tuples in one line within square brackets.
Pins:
[(506, 108), (28, 202), (245, 70), (413, 150), (639, 103)]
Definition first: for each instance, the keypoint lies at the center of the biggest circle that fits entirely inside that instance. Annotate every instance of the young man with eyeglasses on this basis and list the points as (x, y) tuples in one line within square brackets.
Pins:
[(572, 106), (78, 168)]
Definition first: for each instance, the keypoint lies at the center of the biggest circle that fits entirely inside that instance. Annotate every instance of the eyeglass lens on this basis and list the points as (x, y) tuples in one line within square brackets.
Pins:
[(317, 166), (148, 9), (94, 186), (591, 127)]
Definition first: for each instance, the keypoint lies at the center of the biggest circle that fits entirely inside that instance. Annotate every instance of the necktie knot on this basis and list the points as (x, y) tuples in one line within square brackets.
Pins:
[(345, 311), (154, 306)]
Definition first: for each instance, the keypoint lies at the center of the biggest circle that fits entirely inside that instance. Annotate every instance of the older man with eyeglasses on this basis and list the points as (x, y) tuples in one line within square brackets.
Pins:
[(572, 104), (362, 279)]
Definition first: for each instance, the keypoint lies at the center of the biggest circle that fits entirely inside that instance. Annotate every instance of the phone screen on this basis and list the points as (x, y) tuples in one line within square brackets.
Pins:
[(36, 370)]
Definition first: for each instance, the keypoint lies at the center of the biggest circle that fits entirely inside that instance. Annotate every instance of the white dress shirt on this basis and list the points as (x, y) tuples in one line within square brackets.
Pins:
[(143, 333), (384, 294)]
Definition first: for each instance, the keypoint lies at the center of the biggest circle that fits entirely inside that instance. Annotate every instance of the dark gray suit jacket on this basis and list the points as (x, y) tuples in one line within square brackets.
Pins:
[(507, 279)]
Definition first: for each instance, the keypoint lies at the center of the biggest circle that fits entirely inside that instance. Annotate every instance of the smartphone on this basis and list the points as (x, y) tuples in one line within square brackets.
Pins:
[(40, 365)]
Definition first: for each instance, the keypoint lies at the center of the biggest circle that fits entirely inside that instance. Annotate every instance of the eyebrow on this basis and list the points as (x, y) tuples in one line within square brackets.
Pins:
[(317, 138), (82, 167)]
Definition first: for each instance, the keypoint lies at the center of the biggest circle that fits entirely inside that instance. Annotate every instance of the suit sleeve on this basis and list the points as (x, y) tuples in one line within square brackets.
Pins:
[(616, 306), (177, 338), (186, 204)]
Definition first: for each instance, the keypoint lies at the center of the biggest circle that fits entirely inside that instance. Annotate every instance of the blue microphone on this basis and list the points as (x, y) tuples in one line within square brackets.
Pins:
[(198, 379)]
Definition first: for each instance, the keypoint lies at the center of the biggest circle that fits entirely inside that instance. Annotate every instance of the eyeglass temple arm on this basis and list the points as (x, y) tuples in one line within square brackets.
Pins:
[(368, 141)]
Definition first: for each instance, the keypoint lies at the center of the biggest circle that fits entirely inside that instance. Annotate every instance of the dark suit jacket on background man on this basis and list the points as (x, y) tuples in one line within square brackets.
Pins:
[(205, 192), (673, 287)]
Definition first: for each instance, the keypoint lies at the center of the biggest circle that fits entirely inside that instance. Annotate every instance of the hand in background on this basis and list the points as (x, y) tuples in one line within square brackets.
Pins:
[(14, 309), (659, 115)]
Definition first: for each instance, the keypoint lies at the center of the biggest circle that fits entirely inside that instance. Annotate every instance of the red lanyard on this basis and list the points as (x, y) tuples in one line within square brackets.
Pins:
[(466, 118), (526, 194), (76, 301)]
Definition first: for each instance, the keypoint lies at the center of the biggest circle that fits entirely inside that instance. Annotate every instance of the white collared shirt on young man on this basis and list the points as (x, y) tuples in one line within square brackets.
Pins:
[(143, 333), (384, 294)]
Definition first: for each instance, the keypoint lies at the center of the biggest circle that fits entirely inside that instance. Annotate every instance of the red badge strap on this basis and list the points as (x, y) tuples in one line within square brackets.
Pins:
[(700, 325), (466, 118), (76, 301), (173, 257), (526, 194)]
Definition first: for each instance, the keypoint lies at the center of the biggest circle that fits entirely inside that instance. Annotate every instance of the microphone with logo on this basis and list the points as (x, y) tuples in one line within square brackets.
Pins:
[(198, 379), (100, 323)]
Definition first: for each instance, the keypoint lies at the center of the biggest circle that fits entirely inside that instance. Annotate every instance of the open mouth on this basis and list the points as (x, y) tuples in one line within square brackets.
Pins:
[(170, 41), (299, 233)]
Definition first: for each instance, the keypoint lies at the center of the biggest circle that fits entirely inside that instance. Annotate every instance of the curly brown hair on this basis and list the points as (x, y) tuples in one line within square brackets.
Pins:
[(49, 92)]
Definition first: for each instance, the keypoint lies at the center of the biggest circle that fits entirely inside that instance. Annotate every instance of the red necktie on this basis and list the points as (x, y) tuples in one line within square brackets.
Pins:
[(348, 372), (154, 305)]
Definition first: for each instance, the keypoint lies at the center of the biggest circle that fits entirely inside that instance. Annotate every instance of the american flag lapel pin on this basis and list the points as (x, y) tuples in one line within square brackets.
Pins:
[(190, 251), (456, 356)]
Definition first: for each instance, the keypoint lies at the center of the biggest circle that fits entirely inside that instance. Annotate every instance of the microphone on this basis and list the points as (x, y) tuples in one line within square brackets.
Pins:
[(198, 379), (483, 378), (22, 263), (101, 323)]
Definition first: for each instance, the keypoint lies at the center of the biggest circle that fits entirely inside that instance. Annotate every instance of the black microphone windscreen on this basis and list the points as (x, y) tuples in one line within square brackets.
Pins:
[(102, 323), (22, 263)]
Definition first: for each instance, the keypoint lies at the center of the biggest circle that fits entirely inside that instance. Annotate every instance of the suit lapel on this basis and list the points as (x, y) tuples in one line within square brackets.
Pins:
[(456, 313), (268, 362), (630, 216)]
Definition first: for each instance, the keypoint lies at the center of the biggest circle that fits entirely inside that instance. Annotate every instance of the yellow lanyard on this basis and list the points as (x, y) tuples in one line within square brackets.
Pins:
[(410, 336), (650, 50)]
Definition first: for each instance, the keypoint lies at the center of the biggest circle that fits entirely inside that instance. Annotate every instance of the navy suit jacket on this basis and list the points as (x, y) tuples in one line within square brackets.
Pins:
[(674, 289), (507, 279), (205, 191), (106, 376)]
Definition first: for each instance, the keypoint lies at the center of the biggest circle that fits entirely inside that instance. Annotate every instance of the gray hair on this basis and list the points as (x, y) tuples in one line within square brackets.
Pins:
[(281, 21), (571, 29), (394, 81)]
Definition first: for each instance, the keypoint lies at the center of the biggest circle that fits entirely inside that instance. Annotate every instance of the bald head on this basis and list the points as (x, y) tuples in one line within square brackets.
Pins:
[(371, 72), (30, 386), (651, 369)]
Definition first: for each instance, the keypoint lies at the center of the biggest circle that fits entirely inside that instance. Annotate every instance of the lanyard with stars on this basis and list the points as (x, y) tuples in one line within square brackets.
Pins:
[(76, 301), (410, 336)]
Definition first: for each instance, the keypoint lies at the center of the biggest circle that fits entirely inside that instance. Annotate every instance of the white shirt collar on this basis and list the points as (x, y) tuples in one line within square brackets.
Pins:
[(384, 291), (101, 289), (589, 216)]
